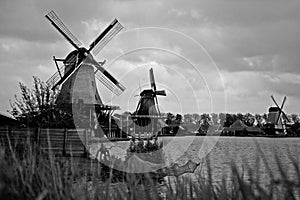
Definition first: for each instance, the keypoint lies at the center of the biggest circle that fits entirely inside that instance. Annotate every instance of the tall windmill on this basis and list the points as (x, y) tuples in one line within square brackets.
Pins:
[(147, 112), (276, 122), (79, 71)]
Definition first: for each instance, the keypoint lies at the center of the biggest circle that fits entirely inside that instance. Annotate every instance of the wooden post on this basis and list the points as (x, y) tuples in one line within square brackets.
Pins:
[(37, 136), (64, 151), (127, 129), (49, 143), (9, 132), (134, 129), (121, 124), (85, 143), (9, 136), (109, 125)]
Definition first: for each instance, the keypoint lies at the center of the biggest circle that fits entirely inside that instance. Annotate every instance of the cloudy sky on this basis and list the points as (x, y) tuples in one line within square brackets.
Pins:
[(209, 55)]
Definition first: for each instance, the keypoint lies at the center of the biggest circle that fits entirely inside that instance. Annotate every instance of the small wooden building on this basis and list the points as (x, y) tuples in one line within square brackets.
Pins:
[(7, 120)]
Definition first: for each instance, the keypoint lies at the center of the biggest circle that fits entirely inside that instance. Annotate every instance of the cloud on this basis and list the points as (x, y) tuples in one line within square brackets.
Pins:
[(254, 44)]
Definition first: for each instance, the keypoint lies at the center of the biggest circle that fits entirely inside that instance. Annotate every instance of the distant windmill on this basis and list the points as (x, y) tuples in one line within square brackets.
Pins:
[(277, 118), (147, 112), (80, 68), (148, 103)]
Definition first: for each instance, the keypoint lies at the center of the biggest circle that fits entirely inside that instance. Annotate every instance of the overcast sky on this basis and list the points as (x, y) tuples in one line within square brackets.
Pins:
[(209, 56)]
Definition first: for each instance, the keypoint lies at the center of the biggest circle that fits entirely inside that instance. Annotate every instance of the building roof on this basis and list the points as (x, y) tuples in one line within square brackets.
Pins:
[(6, 114), (226, 129), (254, 129), (8, 120), (238, 125)]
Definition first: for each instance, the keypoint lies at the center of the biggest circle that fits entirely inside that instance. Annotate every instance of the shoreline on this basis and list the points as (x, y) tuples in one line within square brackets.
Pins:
[(188, 135)]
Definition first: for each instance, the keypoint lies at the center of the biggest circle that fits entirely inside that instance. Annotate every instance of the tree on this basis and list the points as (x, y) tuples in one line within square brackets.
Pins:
[(173, 123), (195, 117), (294, 118), (36, 107), (178, 119), (240, 116), (204, 123), (265, 116), (259, 121), (229, 119), (214, 118), (249, 119), (187, 118), (222, 118), (170, 118), (205, 117), (295, 128)]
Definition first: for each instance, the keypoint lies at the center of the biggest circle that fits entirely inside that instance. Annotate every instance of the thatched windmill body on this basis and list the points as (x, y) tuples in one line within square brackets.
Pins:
[(79, 71)]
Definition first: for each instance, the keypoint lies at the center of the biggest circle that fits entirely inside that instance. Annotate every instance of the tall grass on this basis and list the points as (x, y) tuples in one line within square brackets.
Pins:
[(28, 173)]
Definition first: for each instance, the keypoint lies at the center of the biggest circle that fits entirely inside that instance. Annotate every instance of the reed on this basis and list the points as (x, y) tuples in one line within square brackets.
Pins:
[(31, 174)]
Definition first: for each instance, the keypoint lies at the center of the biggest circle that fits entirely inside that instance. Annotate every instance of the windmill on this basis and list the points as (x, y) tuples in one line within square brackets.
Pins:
[(79, 71), (276, 122), (147, 113)]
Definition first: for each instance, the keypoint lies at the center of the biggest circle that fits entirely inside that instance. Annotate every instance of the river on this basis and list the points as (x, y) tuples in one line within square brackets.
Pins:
[(220, 153)]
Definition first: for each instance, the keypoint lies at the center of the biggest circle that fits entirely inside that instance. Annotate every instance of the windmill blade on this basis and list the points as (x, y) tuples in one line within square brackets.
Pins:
[(67, 74), (107, 79), (283, 113), (100, 77), (59, 25), (55, 78), (283, 102), (113, 29), (275, 101), (157, 105), (161, 93), (110, 82), (152, 80), (285, 116), (280, 108)]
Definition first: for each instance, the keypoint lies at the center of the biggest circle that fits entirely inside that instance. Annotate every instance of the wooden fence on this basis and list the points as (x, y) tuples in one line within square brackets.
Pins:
[(64, 142)]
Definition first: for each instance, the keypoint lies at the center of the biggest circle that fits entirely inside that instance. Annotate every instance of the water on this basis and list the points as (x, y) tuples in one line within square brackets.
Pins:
[(258, 154), (222, 152)]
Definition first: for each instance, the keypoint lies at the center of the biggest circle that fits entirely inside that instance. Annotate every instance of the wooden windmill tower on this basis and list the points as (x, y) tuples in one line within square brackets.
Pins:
[(276, 122), (147, 113), (79, 72)]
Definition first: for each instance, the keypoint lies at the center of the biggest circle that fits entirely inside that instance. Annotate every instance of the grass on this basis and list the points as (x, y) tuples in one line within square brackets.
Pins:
[(28, 173)]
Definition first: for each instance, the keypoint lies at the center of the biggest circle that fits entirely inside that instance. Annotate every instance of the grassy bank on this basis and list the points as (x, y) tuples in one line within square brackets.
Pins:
[(27, 173)]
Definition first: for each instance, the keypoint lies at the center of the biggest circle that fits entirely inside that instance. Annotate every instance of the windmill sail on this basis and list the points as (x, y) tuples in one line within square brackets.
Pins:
[(108, 84), (153, 84), (106, 78), (161, 93), (59, 25), (98, 44), (81, 55), (152, 80), (53, 81)]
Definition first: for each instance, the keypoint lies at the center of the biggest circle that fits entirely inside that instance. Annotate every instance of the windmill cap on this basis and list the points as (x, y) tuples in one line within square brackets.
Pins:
[(274, 109), (147, 92)]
